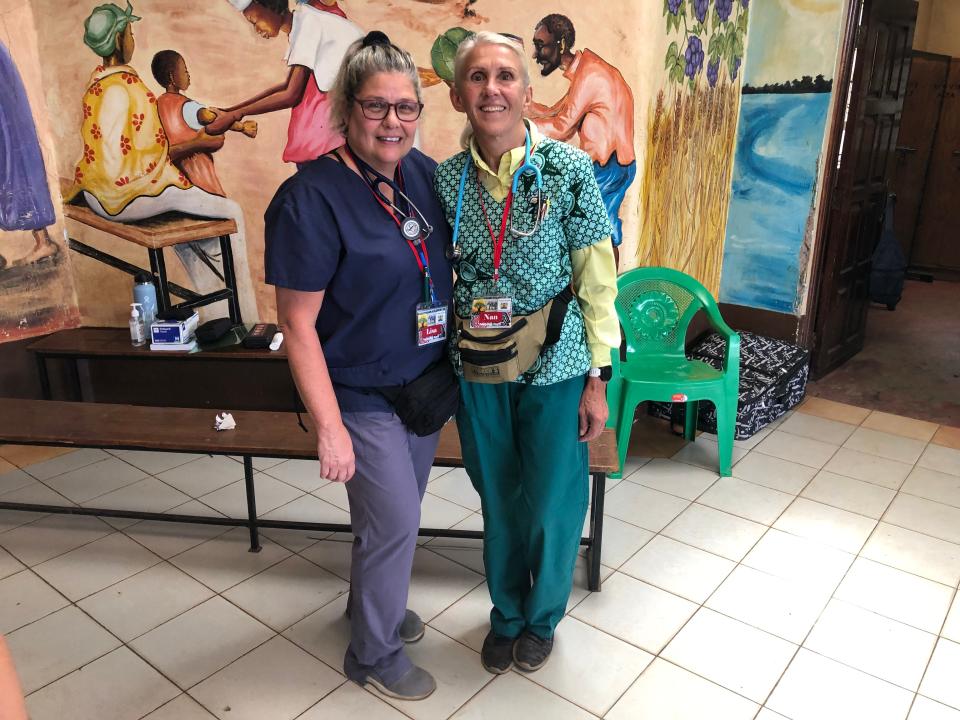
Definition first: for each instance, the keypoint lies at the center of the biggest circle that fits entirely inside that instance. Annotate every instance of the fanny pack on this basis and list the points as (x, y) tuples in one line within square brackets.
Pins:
[(502, 355), (426, 403)]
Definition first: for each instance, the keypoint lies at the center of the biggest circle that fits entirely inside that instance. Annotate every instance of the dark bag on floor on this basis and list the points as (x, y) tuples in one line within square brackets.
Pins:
[(888, 267), (427, 402), (773, 379)]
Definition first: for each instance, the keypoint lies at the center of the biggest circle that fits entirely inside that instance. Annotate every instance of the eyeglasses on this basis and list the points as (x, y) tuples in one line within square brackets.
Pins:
[(378, 109)]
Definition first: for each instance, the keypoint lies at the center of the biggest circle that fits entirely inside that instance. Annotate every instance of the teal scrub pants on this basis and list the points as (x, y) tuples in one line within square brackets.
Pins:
[(522, 451)]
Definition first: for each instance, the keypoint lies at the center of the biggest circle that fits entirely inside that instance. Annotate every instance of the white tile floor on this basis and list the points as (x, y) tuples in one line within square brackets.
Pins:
[(819, 582)]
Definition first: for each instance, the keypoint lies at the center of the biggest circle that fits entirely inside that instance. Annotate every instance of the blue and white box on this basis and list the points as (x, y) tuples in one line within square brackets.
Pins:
[(174, 331)]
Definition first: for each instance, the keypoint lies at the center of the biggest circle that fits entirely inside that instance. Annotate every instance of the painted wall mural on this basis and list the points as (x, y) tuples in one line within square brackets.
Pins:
[(36, 292), (783, 116), (651, 90), (202, 65), (690, 138)]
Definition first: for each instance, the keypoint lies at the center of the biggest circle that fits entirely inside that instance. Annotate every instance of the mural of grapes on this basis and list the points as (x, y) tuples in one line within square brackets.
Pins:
[(691, 135)]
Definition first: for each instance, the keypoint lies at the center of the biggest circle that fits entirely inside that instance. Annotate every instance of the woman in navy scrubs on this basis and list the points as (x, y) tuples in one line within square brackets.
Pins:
[(355, 246)]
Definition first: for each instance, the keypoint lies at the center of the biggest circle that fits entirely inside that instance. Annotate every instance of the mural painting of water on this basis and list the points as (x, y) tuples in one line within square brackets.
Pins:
[(775, 170)]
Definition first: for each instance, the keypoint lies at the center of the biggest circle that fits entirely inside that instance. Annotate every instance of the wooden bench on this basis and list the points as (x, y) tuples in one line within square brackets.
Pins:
[(160, 232), (258, 434)]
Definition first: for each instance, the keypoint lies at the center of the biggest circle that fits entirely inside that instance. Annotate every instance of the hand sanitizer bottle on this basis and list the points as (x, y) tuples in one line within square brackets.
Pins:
[(138, 336)]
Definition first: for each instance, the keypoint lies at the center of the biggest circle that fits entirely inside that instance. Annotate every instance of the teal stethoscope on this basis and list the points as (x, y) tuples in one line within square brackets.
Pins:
[(453, 251)]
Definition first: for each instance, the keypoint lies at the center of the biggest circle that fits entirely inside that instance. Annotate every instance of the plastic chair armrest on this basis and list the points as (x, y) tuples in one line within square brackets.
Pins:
[(731, 356)]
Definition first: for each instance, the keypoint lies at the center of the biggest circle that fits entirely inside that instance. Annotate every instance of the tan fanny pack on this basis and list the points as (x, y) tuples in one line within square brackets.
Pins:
[(503, 354)]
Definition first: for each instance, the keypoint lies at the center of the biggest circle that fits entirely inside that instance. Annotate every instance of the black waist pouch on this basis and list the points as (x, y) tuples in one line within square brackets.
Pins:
[(426, 403)]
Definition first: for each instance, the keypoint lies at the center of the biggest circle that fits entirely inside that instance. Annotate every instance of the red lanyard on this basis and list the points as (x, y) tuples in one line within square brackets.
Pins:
[(498, 240)]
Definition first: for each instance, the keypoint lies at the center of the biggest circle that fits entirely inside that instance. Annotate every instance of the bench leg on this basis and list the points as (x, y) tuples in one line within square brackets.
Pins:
[(596, 532), (251, 504), (230, 279)]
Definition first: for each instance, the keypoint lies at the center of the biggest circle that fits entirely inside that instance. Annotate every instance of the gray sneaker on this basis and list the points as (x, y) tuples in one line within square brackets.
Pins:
[(411, 627), (415, 685), (531, 652)]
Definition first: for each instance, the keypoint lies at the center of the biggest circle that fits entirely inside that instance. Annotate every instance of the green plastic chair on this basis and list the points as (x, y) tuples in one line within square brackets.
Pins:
[(655, 307)]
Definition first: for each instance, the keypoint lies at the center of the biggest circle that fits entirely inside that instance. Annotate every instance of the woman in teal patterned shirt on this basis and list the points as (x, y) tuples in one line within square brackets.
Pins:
[(525, 441)]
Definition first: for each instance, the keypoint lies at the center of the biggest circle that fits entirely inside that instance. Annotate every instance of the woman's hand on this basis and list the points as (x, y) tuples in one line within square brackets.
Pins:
[(335, 452), (222, 122), (593, 409)]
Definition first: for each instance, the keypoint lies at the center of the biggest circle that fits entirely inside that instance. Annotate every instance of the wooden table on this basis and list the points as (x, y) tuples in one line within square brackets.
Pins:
[(160, 232), (258, 434), (90, 343)]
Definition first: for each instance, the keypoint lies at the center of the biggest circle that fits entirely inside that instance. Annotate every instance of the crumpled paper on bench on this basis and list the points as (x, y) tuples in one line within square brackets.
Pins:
[(224, 421)]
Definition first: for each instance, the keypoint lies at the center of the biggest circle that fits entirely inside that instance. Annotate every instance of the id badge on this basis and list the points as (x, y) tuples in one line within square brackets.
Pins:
[(431, 323), (488, 313)]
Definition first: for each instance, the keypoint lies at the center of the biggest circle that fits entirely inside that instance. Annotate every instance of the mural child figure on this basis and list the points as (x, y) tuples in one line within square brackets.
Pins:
[(191, 147), (127, 171), (24, 196), (598, 108), (320, 34)]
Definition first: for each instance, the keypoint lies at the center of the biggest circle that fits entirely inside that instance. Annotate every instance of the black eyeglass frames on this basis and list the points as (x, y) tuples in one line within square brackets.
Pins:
[(373, 109)]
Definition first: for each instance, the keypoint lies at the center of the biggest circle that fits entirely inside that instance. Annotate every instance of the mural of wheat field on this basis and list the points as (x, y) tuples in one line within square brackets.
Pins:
[(691, 135)]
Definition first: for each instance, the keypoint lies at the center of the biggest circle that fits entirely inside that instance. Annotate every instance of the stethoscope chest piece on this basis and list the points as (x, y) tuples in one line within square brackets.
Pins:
[(411, 229), (453, 253)]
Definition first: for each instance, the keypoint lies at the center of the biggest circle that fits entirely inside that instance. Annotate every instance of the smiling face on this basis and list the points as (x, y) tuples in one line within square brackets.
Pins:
[(546, 50), (491, 91), (382, 143)]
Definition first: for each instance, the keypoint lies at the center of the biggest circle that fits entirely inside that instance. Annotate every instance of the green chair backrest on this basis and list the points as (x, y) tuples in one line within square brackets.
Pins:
[(655, 306)]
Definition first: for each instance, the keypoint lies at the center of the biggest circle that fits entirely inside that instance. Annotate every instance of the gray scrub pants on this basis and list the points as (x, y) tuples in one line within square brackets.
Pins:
[(392, 468)]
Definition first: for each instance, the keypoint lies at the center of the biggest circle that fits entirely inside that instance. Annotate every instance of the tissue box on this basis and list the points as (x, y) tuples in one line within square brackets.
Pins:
[(174, 331)]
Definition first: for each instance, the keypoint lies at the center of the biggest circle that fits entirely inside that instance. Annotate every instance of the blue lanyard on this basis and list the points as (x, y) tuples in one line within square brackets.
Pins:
[(526, 167)]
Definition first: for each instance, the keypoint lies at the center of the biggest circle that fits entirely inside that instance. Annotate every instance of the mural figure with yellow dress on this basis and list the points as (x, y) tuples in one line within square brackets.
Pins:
[(127, 172)]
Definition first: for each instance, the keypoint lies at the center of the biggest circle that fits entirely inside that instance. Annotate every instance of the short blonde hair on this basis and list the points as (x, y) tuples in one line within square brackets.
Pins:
[(485, 37), (360, 64)]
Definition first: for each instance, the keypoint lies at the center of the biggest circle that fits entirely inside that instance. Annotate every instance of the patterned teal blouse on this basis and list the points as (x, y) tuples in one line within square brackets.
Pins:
[(533, 269)]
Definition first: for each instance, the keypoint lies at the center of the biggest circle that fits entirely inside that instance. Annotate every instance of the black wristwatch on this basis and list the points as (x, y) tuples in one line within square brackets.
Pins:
[(604, 373)]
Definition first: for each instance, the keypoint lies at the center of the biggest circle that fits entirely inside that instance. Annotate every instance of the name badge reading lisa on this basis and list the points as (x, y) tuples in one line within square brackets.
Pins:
[(491, 313), (431, 323)]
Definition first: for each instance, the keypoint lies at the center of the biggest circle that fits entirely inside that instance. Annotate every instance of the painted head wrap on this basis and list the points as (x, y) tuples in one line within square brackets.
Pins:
[(240, 5), (101, 28)]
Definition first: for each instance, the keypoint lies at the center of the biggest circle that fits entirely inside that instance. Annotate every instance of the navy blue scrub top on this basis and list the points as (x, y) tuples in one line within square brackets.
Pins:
[(325, 230)]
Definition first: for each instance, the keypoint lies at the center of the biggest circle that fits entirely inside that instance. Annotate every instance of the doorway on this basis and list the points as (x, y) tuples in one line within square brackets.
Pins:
[(892, 151)]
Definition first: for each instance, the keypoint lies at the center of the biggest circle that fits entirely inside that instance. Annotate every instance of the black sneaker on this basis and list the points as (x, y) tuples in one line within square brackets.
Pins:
[(497, 653), (531, 652)]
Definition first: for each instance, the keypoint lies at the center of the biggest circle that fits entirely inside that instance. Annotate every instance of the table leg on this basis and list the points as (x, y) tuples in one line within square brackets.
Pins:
[(159, 270), (74, 366), (230, 279), (596, 532), (251, 504), (44, 376)]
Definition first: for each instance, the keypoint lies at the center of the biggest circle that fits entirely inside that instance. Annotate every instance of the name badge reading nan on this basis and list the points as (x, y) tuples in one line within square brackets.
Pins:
[(488, 313)]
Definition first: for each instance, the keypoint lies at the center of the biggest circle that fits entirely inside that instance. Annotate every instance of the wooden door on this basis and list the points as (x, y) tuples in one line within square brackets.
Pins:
[(874, 86), (918, 127), (937, 244)]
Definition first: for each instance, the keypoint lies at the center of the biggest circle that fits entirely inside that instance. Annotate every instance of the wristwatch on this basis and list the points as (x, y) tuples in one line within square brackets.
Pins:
[(604, 373)]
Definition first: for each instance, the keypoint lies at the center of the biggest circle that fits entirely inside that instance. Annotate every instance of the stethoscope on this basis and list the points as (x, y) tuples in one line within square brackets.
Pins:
[(413, 225), (453, 251)]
